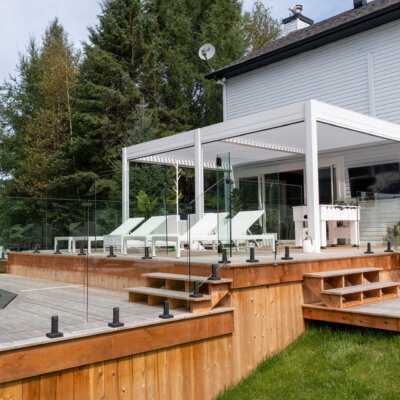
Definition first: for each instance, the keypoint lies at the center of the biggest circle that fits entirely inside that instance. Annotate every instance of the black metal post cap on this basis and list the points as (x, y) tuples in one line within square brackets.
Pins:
[(116, 322), (224, 257), (252, 258), (389, 248), (369, 251), (196, 294), (214, 276), (146, 254), (287, 254), (166, 314), (111, 252), (81, 252), (54, 329)]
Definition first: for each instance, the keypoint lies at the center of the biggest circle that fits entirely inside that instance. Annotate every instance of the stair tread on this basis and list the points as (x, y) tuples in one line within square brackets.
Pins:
[(339, 272), (182, 277), (360, 288), (173, 294)]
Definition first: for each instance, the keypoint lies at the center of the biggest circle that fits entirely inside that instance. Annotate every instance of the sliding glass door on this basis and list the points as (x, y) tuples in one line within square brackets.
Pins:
[(327, 185)]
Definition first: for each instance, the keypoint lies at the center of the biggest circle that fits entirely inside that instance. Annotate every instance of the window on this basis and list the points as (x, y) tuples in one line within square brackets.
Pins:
[(383, 178)]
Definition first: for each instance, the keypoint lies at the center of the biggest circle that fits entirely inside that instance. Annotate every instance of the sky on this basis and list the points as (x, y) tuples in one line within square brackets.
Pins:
[(22, 19)]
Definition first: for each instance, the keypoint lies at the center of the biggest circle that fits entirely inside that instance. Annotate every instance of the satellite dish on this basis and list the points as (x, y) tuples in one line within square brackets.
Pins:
[(207, 52)]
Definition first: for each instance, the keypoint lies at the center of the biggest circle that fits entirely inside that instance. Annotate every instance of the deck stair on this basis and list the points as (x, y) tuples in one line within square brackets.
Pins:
[(349, 287), (177, 288)]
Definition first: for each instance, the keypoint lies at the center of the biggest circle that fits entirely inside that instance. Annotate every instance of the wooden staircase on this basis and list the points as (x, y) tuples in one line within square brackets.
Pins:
[(349, 287), (177, 289)]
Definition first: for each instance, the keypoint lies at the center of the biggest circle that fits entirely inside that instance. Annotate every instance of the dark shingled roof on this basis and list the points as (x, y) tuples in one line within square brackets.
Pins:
[(371, 15)]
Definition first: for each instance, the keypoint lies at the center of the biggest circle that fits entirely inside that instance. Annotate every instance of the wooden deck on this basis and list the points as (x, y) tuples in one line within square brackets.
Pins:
[(384, 314), (26, 319), (190, 356), (123, 272)]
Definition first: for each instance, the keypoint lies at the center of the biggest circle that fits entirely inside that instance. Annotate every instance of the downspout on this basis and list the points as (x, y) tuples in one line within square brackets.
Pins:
[(222, 82)]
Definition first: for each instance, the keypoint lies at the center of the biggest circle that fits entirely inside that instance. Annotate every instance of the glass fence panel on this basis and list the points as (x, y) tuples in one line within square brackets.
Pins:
[(30, 225), (225, 186), (379, 218)]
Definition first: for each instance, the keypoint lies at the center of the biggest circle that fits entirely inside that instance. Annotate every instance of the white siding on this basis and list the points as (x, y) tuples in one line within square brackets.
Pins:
[(339, 73)]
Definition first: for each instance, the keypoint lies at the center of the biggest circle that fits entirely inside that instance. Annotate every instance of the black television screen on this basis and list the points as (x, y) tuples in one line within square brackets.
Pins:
[(382, 178)]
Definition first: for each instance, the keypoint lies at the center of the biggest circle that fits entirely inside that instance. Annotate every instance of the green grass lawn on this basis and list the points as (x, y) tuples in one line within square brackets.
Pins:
[(328, 363)]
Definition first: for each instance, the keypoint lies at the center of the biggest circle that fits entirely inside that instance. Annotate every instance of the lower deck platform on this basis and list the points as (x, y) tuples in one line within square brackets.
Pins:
[(26, 319), (379, 315)]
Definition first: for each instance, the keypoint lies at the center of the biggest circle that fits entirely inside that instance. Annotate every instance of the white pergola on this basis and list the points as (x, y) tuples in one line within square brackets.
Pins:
[(308, 128)]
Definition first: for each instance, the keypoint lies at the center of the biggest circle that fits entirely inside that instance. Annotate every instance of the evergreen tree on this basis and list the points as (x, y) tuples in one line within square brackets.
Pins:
[(19, 99), (35, 113), (107, 95), (184, 99), (140, 78), (49, 127)]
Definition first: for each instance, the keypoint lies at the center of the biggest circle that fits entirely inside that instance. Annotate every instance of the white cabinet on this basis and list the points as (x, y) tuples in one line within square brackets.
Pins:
[(330, 214)]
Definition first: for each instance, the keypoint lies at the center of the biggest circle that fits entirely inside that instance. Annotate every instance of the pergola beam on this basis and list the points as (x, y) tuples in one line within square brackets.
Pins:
[(265, 146), (182, 162)]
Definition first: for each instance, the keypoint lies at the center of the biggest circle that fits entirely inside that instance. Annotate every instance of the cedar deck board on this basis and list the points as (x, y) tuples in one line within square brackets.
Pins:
[(351, 271), (165, 293), (360, 288), (185, 278)]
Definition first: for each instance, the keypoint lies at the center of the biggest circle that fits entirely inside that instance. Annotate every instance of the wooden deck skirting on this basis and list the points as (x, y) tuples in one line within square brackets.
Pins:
[(349, 317), (119, 273), (266, 320), (3, 266), (64, 354)]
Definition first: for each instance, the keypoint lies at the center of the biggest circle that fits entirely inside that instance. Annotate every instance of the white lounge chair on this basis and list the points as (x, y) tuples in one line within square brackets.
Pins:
[(241, 224), (115, 238), (111, 240), (239, 231), (202, 230), (141, 237)]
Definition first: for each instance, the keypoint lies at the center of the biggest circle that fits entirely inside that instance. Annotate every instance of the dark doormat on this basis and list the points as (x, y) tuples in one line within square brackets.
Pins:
[(6, 298)]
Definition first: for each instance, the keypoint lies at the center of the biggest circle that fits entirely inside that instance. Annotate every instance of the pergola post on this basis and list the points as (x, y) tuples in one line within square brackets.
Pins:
[(312, 180), (125, 185), (261, 201), (198, 175)]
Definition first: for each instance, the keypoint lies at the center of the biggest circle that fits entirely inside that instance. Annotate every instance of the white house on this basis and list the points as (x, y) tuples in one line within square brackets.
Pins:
[(317, 111), (352, 61)]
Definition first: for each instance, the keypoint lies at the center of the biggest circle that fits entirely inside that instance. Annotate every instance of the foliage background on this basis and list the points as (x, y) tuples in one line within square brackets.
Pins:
[(65, 115)]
